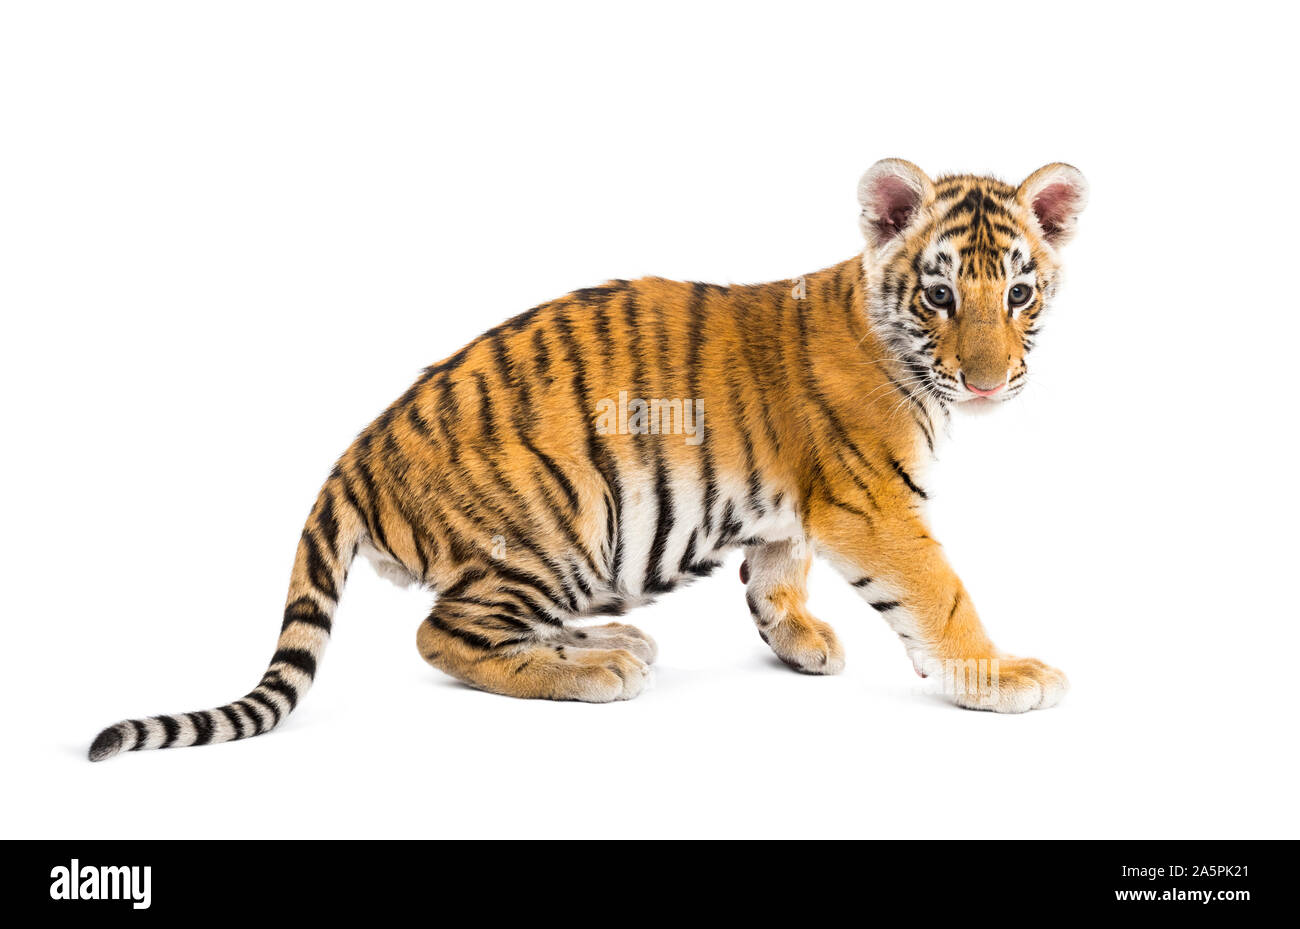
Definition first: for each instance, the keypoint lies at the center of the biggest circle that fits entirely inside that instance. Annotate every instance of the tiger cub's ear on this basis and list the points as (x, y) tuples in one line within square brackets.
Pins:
[(892, 193), (1056, 194)]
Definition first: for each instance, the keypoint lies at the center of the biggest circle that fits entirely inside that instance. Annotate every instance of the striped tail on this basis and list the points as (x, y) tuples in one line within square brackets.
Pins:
[(325, 552)]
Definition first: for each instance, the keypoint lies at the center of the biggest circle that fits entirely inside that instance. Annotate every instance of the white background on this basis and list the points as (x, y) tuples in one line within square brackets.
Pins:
[(231, 233)]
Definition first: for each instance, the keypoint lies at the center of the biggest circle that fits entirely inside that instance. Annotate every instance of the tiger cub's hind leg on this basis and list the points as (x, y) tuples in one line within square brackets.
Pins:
[(487, 635), (776, 590)]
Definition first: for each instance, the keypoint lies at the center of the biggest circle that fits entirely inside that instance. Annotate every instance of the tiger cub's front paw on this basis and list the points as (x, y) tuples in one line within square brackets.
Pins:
[(1004, 685), (808, 645)]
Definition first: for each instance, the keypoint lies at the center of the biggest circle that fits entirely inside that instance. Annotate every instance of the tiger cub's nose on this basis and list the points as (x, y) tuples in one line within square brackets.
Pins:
[(984, 391)]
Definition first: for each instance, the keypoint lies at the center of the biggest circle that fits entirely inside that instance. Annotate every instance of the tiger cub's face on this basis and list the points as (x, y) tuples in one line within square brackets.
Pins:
[(960, 270)]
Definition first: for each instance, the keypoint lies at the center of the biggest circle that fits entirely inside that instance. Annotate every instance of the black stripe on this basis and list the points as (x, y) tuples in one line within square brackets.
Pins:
[(259, 724), (710, 491), (511, 623), (853, 476), (171, 728), (948, 189), (598, 294), (541, 354), (398, 467), (695, 342), (269, 704), (367, 480), (729, 527), (235, 722), (907, 479), (665, 383), (554, 470), (951, 232), (465, 635), (664, 517), (610, 544), (740, 415), (318, 572), (141, 734), (847, 507), (886, 605), (299, 658), (577, 574), (862, 582), (328, 524), (458, 586), (486, 417), (762, 387), (353, 501), (500, 605), (418, 422), (529, 580), (687, 556), (956, 601), (305, 610), (846, 276), (202, 723), (927, 427), (459, 550), (274, 682)]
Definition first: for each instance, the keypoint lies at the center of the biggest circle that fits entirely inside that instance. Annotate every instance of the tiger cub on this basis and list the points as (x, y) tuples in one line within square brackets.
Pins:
[(603, 448)]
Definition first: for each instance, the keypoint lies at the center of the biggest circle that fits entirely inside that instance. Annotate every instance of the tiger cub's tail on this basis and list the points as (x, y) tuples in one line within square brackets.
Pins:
[(325, 552)]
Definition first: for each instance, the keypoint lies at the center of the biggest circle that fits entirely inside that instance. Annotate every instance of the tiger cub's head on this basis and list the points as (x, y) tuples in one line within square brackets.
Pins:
[(960, 270)]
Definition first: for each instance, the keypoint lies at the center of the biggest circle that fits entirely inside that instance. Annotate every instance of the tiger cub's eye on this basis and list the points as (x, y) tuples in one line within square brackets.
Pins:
[(1019, 294), (939, 295)]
